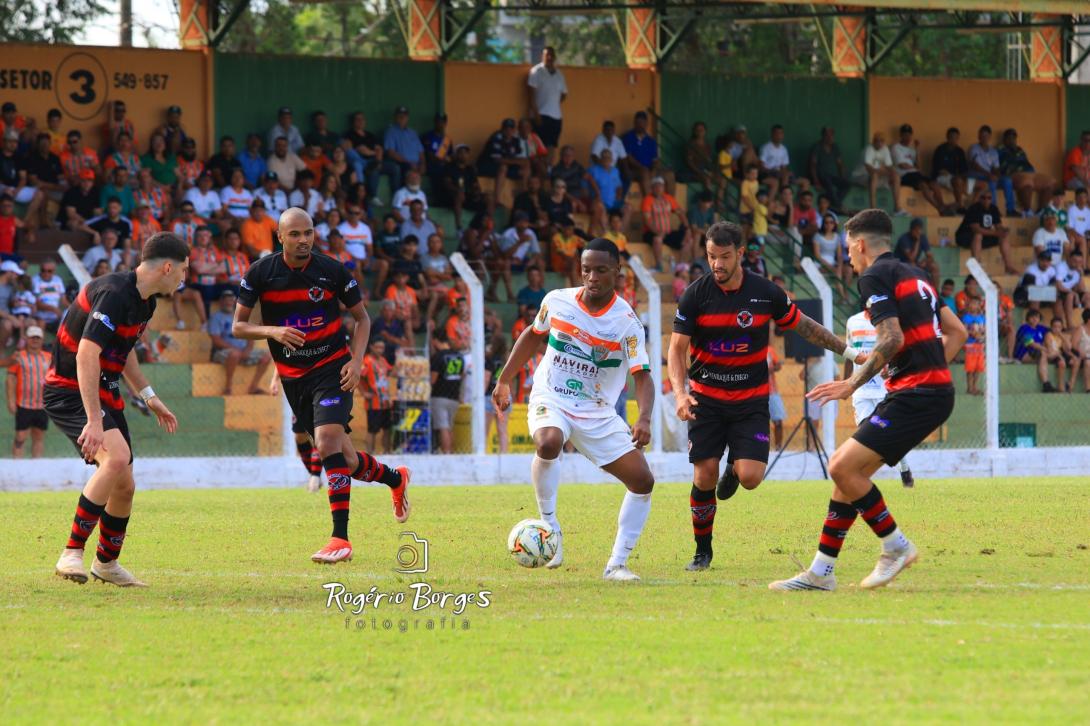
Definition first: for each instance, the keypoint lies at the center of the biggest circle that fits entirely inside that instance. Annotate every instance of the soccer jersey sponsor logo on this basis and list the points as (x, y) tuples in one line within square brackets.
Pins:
[(724, 377), (543, 314), (745, 319), (338, 482), (680, 317), (599, 353), (763, 438), (315, 294), (631, 345), (304, 322), (581, 368), (874, 299), (104, 319), (245, 285), (879, 421), (351, 284), (327, 402), (540, 411), (306, 352), (737, 346), (117, 540)]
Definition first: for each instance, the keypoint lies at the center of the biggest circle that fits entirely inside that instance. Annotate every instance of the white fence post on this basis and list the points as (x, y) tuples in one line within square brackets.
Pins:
[(828, 414), (74, 264), (654, 344), (476, 351), (991, 352)]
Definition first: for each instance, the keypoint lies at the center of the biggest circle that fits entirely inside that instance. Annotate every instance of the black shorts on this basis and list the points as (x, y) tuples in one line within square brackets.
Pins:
[(548, 128), (316, 399), (31, 418), (65, 408), (964, 239), (378, 419), (741, 428), (913, 179), (673, 240), (903, 420), (296, 428)]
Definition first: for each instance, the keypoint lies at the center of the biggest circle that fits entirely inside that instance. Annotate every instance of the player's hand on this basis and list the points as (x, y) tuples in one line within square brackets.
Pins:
[(831, 391), (501, 397), (641, 433), (167, 420), (685, 405), (350, 375), (290, 338), (90, 439)]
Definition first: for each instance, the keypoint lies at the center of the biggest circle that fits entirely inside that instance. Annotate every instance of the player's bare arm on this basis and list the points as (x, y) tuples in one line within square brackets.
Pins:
[(526, 347), (677, 365), (954, 333), (890, 339), (88, 372), (241, 327), (645, 401), (813, 331), (350, 371), (136, 378)]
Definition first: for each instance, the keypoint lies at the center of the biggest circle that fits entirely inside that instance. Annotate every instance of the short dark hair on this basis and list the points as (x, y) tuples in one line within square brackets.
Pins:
[(1032, 313), (114, 199), (870, 222), (226, 137), (165, 246), (776, 127), (725, 234), (985, 127), (953, 130), (947, 281), (601, 244)]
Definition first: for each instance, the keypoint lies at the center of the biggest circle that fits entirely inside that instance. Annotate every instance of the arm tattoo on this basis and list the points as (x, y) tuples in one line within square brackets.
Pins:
[(890, 339), (809, 329)]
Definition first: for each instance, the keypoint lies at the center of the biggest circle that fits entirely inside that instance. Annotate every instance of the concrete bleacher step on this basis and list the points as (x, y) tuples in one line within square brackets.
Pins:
[(186, 346), (208, 379)]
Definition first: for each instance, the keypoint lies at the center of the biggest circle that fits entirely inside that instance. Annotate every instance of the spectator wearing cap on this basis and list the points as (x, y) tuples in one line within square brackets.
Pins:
[(232, 352), (547, 91), (905, 155), (642, 156), (253, 162), (438, 148), (206, 202), (284, 127), (223, 163), (190, 167), (407, 194), (25, 384), (285, 163), (161, 162), (401, 143), (913, 248), (173, 132), (235, 197), (276, 201), (500, 158), (80, 202), (12, 120), (258, 231), (460, 189), (659, 209), (76, 157)]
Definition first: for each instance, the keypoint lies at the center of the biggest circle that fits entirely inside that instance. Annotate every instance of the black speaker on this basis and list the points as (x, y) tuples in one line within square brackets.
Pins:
[(794, 346)]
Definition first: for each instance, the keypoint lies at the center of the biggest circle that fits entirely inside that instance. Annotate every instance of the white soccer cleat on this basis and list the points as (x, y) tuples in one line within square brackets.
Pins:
[(558, 558), (314, 483), (890, 564), (70, 566), (620, 573), (806, 580), (114, 574)]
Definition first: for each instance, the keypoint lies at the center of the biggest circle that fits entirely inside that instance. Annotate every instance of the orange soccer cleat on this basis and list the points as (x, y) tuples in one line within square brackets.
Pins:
[(337, 550), (398, 495)]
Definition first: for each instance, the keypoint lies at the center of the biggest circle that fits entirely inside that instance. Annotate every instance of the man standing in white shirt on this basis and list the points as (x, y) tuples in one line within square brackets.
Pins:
[(547, 90), (876, 169), (1078, 221), (905, 155)]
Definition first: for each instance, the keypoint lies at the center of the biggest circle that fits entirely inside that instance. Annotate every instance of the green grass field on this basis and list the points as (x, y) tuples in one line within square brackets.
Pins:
[(993, 624)]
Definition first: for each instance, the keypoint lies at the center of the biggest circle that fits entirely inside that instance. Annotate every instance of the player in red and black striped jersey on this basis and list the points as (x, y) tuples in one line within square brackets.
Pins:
[(301, 293), (720, 347), (94, 349), (917, 335)]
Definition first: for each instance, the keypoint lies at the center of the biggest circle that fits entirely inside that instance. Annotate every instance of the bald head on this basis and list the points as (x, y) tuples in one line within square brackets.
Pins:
[(296, 233)]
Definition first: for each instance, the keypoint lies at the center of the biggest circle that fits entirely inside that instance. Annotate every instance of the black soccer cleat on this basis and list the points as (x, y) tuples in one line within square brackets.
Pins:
[(907, 480), (701, 561), (728, 484)]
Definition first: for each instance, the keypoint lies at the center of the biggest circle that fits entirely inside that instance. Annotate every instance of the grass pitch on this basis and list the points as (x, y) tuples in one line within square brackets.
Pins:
[(993, 624)]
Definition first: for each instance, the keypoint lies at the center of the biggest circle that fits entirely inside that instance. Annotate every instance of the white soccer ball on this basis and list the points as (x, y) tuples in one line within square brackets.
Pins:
[(532, 542)]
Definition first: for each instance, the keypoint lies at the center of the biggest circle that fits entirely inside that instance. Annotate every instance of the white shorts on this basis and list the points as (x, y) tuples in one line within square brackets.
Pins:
[(23, 196), (864, 407), (602, 440)]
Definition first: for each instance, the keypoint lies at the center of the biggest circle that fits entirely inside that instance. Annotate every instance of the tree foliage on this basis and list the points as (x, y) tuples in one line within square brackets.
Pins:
[(46, 21)]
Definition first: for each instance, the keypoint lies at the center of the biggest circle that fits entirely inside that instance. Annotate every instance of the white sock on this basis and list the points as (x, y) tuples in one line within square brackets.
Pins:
[(823, 565), (545, 474), (630, 521), (894, 541), (902, 465)]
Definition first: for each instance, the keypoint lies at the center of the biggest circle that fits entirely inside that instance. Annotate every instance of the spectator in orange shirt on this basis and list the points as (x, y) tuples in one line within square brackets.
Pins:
[(143, 227), (404, 297), (25, 381), (116, 124), (1077, 164), (124, 155), (374, 386), (205, 264), (523, 322), (10, 118), (76, 157), (258, 231), (458, 328), (658, 209), (314, 160)]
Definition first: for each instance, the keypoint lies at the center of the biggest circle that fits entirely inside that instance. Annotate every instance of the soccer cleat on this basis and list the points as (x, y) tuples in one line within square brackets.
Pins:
[(314, 483), (907, 480), (728, 484), (558, 558), (620, 573), (806, 580), (337, 550), (70, 566), (114, 574), (890, 564), (398, 495), (701, 561)]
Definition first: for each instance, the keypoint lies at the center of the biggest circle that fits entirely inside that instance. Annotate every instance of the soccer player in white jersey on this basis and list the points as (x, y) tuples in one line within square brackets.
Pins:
[(592, 340), (861, 338)]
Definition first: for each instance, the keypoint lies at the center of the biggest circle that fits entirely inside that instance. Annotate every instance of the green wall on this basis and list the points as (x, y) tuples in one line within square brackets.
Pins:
[(250, 88), (1078, 113), (801, 105)]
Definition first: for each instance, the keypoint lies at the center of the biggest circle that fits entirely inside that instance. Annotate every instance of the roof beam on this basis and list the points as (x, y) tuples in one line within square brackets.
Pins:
[(1055, 7)]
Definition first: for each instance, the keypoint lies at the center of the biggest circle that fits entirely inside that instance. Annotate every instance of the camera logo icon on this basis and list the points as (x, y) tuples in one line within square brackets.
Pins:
[(412, 555)]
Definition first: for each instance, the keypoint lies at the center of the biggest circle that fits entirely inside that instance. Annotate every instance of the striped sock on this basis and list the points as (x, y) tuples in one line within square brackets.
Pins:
[(702, 505), (838, 521), (87, 516), (873, 509), (312, 460), (371, 469), (340, 492), (111, 535)]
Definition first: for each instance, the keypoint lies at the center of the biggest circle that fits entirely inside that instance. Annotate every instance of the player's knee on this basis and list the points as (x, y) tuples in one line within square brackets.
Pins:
[(116, 465), (750, 477), (548, 444), (328, 445), (839, 468), (642, 484)]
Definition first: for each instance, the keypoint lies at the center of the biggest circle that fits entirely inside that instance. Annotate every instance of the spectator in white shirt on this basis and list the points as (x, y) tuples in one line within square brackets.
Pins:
[(285, 128), (547, 91), (273, 196), (984, 167), (417, 224), (357, 235), (608, 139), (1050, 238), (284, 163), (106, 250), (236, 198), (905, 154), (876, 169), (1078, 222), (404, 196), (1070, 288), (206, 203), (775, 162), (519, 244), (305, 195)]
